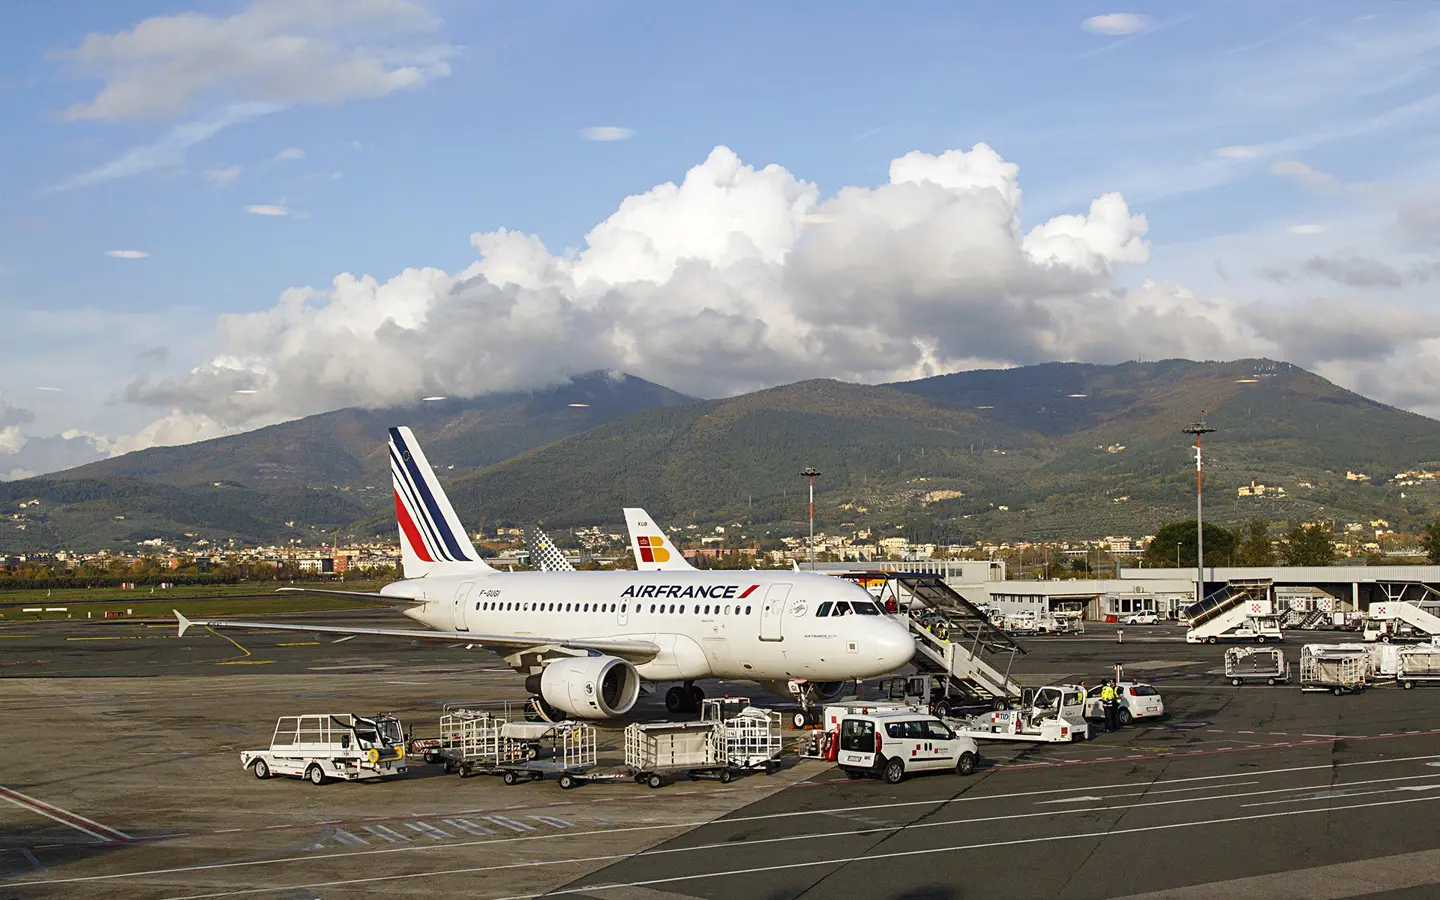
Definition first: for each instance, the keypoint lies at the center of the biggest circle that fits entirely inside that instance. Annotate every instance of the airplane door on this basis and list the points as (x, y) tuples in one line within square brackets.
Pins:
[(462, 595), (771, 612)]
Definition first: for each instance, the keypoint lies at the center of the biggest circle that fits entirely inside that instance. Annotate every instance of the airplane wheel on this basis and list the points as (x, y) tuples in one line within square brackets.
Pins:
[(676, 700), (800, 720)]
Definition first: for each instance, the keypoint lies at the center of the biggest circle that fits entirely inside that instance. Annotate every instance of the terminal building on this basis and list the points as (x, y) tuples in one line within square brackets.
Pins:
[(1339, 591)]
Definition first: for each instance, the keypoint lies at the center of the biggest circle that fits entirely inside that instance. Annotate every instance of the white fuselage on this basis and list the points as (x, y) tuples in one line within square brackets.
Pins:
[(759, 625)]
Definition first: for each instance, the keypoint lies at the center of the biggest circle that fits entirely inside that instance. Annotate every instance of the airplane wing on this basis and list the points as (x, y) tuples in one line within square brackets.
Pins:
[(367, 595), (637, 652)]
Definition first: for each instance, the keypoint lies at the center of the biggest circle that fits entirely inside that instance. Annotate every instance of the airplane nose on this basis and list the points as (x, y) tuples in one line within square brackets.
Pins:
[(895, 643)]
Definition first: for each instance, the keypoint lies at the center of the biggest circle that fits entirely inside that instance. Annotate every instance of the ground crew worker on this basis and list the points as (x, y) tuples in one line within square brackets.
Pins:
[(1111, 701)]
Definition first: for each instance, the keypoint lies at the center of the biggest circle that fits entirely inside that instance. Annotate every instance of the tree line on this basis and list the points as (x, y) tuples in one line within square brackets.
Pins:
[(1311, 544)]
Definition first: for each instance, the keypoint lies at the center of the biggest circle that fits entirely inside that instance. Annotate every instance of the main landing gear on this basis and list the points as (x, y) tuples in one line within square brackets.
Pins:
[(683, 699)]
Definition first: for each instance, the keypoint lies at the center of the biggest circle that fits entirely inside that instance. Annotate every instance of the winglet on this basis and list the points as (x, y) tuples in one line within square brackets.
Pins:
[(184, 622)]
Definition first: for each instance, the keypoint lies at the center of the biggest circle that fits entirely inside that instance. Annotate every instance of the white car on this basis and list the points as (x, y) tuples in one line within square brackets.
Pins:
[(1137, 701), (897, 742), (1140, 619)]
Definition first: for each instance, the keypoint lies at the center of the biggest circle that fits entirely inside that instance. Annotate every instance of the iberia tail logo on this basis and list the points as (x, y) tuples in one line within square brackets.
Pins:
[(652, 548)]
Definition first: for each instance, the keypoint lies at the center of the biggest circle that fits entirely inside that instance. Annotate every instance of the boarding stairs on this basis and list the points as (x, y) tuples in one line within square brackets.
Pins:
[(1311, 620), (1228, 608), (971, 657), (1414, 616)]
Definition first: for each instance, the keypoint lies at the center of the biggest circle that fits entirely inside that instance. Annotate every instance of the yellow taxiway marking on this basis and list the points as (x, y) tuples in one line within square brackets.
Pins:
[(3, 636), (245, 662), (117, 637), (300, 644)]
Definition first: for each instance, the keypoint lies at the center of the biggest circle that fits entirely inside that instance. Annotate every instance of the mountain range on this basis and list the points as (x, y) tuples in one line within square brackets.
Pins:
[(1038, 452)]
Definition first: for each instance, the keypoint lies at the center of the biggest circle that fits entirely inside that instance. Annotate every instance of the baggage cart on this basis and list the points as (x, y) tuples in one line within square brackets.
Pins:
[(1334, 668), (749, 737), (1251, 665), (565, 749), (659, 752), (1418, 665)]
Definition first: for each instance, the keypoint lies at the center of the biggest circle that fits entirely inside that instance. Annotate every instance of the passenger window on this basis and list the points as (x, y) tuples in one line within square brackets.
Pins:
[(682, 609), (652, 608), (727, 610), (747, 610), (622, 608), (824, 610)]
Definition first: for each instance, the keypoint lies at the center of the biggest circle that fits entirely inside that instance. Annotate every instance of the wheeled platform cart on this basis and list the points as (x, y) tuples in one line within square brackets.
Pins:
[(659, 752), (1418, 665), (748, 736), (1250, 665), (1337, 669)]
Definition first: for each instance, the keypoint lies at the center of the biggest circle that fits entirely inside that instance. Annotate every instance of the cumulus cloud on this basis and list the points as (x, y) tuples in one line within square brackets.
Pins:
[(274, 51), (265, 209), (606, 133), (127, 254), (222, 177), (23, 455), (1118, 23), (289, 153)]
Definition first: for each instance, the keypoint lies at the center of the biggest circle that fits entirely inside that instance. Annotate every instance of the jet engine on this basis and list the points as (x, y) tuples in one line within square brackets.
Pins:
[(588, 687)]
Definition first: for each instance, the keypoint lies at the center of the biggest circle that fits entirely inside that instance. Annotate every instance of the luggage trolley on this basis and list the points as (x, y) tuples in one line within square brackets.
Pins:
[(1246, 665), (658, 752), (1337, 669), (566, 749), (748, 736)]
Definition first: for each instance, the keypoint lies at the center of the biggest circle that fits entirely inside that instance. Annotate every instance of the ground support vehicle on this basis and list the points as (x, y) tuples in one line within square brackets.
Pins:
[(1051, 714), (1137, 701), (1397, 620), (920, 692), (895, 743), (1418, 665), (1250, 665), (1140, 619), (321, 747), (1241, 610), (1335, 668)]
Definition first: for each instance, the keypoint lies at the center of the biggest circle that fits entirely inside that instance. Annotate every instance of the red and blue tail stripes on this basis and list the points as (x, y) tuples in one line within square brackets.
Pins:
[(427, 522)]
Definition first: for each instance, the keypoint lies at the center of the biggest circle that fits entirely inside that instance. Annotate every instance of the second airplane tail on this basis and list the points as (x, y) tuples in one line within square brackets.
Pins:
[(431, 536), (653, 551)]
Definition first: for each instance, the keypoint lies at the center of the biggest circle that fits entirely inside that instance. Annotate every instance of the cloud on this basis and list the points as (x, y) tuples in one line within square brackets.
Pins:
[(1311, 334), (127, 254), (1309, 228), (1240, 151), (1356, 271), (267, 210), (606, 133), (23, 455), (170, 151), (1118, 23), (274, 51), (1303, 173), (289, 153), (157, 354), (222, 177)]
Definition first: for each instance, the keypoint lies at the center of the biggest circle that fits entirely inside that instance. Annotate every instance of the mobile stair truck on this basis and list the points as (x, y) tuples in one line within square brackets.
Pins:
[(1251, 665), (323, 747), (1241, 610), (1336, 668), (1387, 620), (1418, 665), (1051, 714)]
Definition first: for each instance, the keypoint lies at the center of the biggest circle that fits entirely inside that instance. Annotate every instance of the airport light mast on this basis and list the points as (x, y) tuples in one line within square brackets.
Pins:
[(1198, 429), (812, 473)]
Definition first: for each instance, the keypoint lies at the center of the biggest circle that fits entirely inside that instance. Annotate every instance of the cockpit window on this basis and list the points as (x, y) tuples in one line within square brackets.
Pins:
[(841, 609), (824, 610), (866, 608)]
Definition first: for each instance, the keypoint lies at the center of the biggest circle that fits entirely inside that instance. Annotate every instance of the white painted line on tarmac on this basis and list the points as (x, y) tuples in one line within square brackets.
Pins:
[(430, 831), (386, 834), (511, 824), (349, 839), (551, 821), (208, 867), (468, 826), (756, 870)]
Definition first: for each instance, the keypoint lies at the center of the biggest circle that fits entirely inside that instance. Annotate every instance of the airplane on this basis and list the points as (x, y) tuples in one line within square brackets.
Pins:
[(545, 556), (586, 640), (653, 551)]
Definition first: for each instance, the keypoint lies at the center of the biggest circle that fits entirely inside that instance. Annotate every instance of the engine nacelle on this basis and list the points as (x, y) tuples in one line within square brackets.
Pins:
[(814, 691), (588, 687)]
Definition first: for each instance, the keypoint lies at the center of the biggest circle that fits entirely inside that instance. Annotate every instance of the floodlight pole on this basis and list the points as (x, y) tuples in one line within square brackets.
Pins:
[(1198, 429), (812, 473)]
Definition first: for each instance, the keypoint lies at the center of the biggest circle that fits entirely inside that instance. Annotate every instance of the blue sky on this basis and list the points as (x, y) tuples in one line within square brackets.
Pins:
[(1281, 155)]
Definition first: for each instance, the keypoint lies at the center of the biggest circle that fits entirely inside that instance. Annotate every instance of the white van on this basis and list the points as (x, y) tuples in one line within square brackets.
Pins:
[(896, 743)]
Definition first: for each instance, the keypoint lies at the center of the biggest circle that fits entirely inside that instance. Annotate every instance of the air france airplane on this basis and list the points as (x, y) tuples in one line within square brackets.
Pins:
[(585, 640)]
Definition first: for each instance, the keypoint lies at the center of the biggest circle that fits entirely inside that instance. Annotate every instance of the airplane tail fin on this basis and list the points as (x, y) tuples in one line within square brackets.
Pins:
[(545, 556), (431, 536), (653, 551)]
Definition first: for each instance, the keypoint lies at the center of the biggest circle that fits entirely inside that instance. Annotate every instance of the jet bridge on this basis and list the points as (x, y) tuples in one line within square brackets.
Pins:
[(954, 640)]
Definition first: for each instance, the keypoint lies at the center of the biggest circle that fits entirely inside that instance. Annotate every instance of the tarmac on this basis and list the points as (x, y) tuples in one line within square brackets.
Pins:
[(122, 779)]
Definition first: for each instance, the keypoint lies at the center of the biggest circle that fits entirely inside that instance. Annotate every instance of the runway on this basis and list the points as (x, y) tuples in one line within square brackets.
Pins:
[(129, 785)]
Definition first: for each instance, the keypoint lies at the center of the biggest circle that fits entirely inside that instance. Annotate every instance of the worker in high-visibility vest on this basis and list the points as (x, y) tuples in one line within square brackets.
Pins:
[(1111, 700)]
